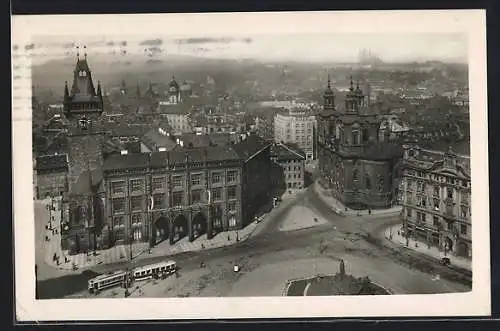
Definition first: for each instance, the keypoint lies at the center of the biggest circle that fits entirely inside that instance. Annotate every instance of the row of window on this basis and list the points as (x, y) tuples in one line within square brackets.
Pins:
[(436, 190), (137, 203), (423, 217), (439, 178), (465, 211), (158, 183), (294, 176)]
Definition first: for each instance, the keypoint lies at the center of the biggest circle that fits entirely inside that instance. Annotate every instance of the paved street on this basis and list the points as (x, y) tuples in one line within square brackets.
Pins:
[(270, 257)]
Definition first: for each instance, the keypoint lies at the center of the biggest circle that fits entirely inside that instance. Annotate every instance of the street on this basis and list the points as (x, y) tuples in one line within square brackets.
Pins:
[(271, 257)]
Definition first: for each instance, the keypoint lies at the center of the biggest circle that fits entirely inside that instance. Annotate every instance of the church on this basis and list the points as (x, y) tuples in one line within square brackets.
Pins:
[(356, 166)]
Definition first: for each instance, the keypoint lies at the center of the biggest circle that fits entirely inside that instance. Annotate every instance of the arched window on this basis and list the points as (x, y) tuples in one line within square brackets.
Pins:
[(368, 182)]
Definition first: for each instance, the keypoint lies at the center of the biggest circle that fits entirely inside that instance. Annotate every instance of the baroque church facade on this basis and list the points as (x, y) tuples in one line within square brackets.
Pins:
[(356, 167)]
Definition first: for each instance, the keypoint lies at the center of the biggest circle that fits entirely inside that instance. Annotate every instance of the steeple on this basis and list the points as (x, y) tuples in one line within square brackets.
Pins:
[(329, 96), (82, 94), (351, 88), (66, 92), (99, 90)]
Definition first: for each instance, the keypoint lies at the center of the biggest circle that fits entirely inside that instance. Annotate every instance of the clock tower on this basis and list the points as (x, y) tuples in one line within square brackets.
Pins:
[(83, 106)]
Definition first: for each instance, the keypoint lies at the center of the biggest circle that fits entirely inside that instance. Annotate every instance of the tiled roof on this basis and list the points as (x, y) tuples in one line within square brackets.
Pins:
[(52, 162)]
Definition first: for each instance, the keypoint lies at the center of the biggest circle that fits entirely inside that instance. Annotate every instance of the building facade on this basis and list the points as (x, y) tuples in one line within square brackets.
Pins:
[(359, 170), (296, 126), (170, 195), (437, 199), (288, 167)]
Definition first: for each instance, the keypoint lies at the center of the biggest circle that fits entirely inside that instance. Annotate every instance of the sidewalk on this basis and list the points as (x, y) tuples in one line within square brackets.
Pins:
[(139, 250), (340, 209), (422, 247)]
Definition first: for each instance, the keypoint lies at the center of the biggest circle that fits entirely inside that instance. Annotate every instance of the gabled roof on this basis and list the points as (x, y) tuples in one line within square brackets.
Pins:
[(287, 152), (250, 146)]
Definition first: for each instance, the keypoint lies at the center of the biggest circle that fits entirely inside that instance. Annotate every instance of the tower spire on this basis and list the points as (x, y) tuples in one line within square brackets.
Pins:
[(66, 92), (352, 87), (85, 52), (78, 52), (329, 82)]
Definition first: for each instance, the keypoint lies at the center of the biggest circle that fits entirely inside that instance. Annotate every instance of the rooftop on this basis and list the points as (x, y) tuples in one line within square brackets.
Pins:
[(175, 157), (286, 152), (250, 146)]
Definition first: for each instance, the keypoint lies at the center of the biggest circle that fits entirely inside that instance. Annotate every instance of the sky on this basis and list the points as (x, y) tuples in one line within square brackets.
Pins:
[(390, 47)]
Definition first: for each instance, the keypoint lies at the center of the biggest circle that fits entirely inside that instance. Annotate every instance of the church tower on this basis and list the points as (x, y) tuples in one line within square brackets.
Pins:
[(329, 97), (83, 106), (174, 96)]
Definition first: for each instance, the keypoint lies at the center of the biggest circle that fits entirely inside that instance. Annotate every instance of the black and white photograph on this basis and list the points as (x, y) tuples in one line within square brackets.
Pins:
[(175, 166)]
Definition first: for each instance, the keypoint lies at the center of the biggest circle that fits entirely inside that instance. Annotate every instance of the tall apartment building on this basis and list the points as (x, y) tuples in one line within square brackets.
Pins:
[(436, 199), (296, 126)]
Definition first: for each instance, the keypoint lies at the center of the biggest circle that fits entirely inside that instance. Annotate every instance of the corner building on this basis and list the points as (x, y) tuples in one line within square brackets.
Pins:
[(437, 199), (357, 168)]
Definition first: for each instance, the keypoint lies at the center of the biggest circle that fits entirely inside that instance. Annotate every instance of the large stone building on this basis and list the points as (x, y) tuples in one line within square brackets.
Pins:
[(436, 199), (360, 170), (288, 167), (297, 126), (117, 198)]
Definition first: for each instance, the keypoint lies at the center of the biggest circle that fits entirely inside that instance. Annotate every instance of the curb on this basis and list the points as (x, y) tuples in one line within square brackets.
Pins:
[(352, 213)]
